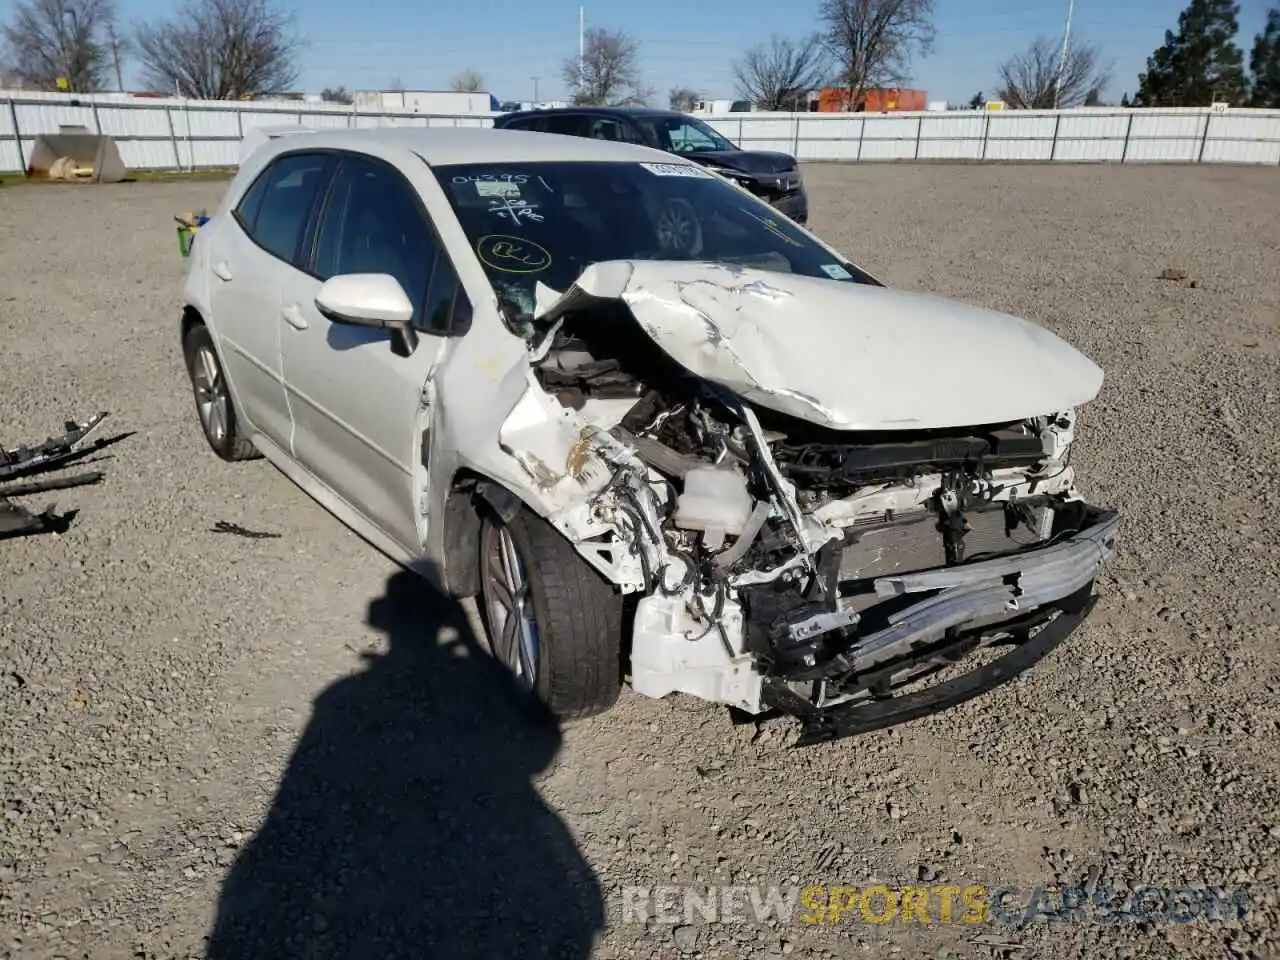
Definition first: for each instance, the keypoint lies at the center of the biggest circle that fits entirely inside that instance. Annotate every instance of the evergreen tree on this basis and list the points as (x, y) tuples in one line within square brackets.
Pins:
[(1264, 64), (1200, 63)]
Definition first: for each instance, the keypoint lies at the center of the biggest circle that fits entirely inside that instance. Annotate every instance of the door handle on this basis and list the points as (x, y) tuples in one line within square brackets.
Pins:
[(293, 316), (221, 270)]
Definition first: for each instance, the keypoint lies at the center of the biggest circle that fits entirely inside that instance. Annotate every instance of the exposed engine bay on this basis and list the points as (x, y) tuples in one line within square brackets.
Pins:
[(786, 565)]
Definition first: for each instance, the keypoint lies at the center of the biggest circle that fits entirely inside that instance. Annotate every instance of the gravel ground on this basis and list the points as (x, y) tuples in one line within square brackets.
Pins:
[(163, 687)]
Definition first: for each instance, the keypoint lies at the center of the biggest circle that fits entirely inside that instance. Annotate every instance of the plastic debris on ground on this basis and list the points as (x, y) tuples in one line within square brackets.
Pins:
[(22, 462)]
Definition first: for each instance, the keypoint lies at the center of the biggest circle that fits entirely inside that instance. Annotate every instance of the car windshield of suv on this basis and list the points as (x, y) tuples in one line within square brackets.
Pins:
[(677, 134), (531, 223)]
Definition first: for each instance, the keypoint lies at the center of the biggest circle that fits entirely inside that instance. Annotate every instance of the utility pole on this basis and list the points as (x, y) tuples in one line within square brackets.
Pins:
[(582, 48), (115, 55), (71, 45), (535, 89), (1062, 59)]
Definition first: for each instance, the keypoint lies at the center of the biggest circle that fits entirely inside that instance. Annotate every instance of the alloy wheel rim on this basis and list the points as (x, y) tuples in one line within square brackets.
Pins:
[(513, 626), (211, 395), (676, 230)]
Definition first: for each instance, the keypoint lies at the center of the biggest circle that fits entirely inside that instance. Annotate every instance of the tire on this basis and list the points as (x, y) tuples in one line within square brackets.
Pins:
[(577, 617), (679, 231), (209, 388)]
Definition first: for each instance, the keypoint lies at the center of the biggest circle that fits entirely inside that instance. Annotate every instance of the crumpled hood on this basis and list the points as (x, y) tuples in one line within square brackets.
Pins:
[(844, 355), (746, 161)]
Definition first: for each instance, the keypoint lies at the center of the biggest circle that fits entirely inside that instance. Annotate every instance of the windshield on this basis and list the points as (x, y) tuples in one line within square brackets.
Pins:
[(547, 222), (677, 134)]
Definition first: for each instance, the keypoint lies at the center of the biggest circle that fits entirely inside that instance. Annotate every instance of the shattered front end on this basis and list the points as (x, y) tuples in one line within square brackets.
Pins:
[(826, 600), (783, 564)]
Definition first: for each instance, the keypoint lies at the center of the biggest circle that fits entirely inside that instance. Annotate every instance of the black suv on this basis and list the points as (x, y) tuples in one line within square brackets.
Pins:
[(774, 177)]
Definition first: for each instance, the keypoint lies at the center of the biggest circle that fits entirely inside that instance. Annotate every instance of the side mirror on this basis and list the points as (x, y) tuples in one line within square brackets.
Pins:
[(374, 300)]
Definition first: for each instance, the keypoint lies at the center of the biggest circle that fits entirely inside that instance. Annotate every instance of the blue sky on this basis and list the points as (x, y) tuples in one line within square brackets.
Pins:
[(366, 44)]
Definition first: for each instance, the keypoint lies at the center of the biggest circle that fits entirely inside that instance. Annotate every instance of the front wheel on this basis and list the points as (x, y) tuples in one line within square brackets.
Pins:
[(551, 619)]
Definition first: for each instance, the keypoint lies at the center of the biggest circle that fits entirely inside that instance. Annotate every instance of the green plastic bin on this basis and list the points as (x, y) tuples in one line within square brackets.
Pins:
[(185, 236)]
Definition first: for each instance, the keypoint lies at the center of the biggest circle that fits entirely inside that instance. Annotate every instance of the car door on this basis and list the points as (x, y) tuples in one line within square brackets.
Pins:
[(361, 412), (250, 258)]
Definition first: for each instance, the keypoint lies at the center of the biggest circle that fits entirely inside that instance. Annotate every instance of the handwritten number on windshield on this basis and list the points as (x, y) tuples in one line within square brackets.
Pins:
[(515, 210), (512, 254), (491, 178)]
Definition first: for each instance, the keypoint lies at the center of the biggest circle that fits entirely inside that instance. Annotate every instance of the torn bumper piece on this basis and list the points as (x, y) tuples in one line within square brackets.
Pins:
[(824, 724), (51, 454), (18, 521), (961, 608)]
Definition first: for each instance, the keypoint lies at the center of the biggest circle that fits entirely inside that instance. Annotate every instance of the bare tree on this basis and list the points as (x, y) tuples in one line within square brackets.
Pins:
[(781, 74), (468, 81), (682, 99), (336, 95), (1029, 80), (50, 40), (220, 49), (610, 71), (873, 41)]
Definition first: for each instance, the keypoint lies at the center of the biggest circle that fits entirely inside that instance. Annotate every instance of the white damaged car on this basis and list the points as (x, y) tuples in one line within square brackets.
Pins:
[(664, 435)]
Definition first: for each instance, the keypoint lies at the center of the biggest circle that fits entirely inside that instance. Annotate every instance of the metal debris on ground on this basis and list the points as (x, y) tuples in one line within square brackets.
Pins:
[(226, 526), (51, 454), (1177, 276)]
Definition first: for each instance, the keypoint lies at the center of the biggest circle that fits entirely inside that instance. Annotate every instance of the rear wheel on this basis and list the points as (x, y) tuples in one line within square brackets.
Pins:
[(551, 619), (213, 400)]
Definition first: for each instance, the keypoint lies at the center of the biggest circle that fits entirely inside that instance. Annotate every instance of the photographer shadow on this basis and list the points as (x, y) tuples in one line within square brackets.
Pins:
[(407, 823)]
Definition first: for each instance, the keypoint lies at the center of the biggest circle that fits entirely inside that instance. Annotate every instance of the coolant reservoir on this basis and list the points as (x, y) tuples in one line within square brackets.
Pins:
[(715, 501)]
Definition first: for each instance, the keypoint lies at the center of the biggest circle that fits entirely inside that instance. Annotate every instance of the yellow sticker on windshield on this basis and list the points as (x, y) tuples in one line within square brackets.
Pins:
[(497, 188)]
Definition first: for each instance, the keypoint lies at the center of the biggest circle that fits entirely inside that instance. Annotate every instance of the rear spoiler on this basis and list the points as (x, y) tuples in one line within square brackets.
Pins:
[(257, 136)]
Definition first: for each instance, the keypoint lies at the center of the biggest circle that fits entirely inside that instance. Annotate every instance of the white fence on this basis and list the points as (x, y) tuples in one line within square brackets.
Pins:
[(172, 134)]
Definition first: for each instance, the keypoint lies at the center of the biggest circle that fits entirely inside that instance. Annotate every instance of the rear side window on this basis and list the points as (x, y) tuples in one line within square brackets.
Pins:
[(535, 124), (569, 124), (610, 128), (275, 210), (247, 210)]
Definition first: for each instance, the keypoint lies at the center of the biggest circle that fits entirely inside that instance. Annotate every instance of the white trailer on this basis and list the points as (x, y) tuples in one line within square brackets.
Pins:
[(422, 101)]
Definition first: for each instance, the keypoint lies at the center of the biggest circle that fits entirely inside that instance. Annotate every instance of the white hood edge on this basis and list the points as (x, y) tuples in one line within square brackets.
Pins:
[(841, 355)]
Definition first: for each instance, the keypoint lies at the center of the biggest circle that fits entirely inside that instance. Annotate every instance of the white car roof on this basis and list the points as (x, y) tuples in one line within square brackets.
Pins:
[(447, 145)]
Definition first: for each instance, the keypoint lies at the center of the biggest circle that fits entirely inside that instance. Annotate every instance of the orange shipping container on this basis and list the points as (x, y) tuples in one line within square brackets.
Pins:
[(879, 101), (875, 100)]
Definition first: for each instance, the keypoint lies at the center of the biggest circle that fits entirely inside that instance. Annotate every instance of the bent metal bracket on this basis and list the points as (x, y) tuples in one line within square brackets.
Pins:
[(19, 463)]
